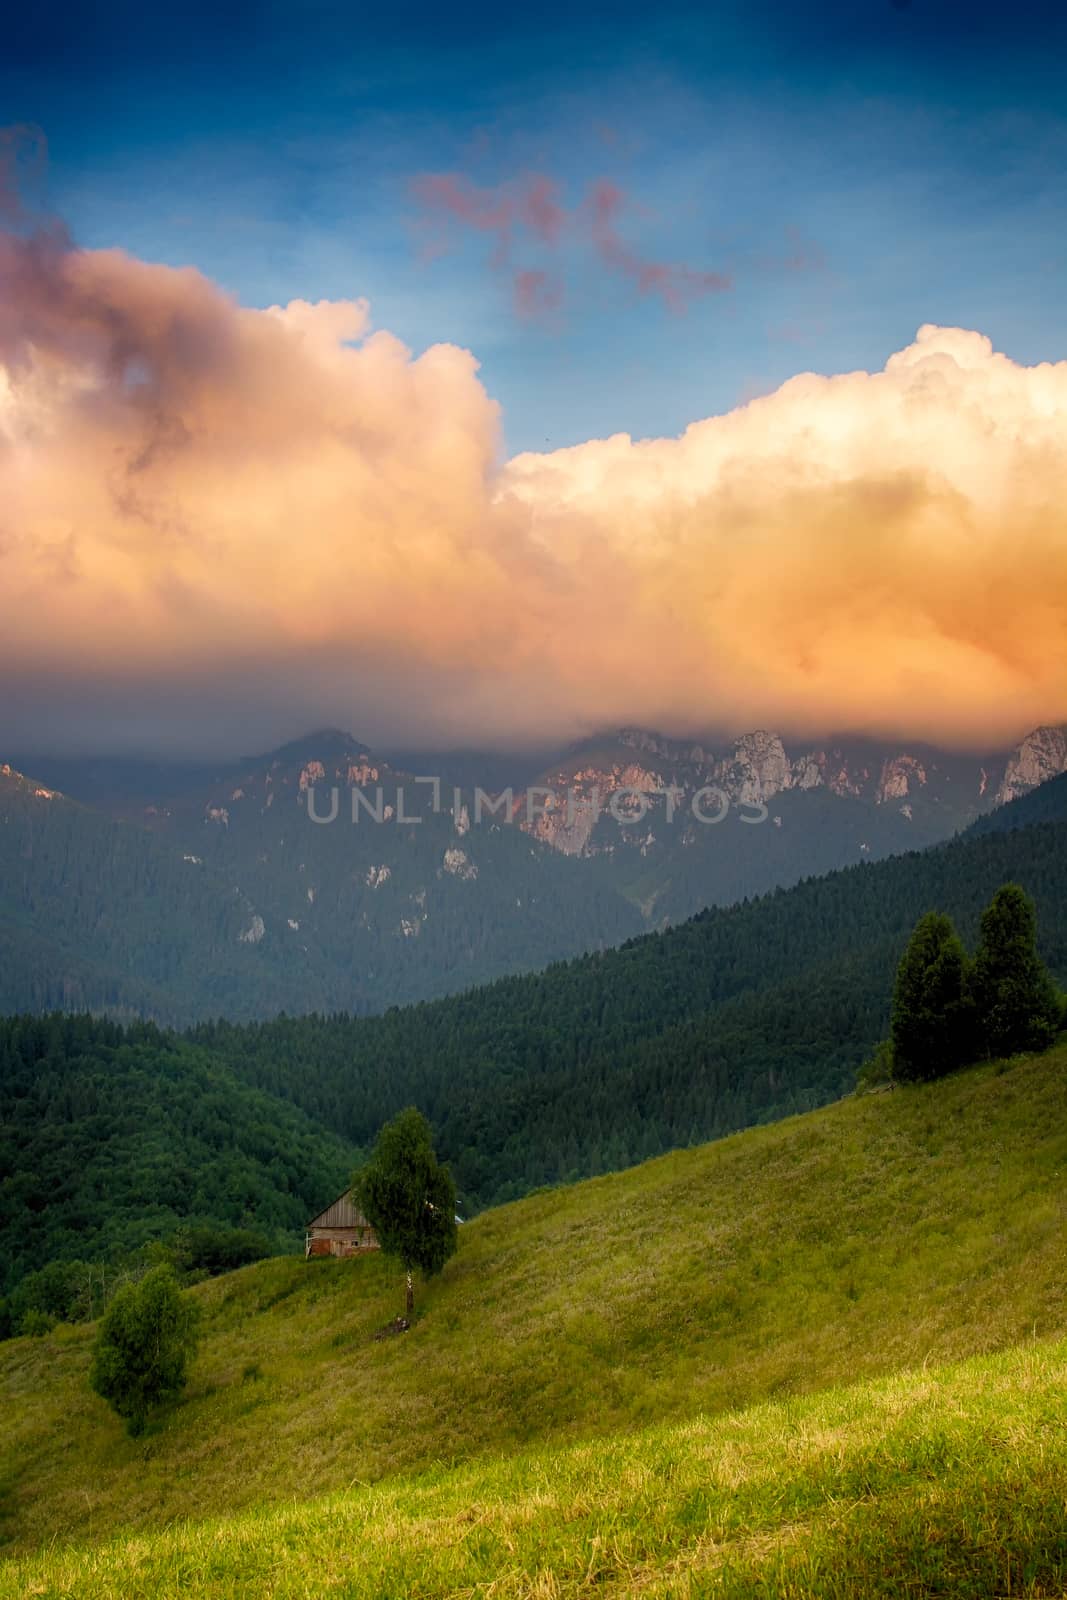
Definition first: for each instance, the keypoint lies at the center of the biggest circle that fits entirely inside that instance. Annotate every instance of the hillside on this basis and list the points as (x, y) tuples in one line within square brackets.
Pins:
[(832, 1496), (110, 1137), (233, 905), (738, 1016), (1047, 803), (891, 1231)]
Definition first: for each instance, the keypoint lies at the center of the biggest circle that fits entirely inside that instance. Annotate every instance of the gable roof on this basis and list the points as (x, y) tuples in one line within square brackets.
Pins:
[(341, 1214)]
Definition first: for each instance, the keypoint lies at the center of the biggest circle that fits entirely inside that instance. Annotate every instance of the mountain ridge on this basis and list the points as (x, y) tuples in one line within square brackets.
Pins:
[(232, 897)]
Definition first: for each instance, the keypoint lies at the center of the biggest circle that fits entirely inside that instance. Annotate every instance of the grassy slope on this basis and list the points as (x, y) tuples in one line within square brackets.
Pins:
[(936, 1483), (919, 1225)]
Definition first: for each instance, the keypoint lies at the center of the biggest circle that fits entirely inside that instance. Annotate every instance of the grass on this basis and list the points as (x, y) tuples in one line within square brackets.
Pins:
[(943, 1483), (923, 1225)]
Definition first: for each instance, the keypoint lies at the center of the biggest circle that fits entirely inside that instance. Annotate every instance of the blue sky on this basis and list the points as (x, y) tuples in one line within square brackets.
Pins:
[(855, 169)]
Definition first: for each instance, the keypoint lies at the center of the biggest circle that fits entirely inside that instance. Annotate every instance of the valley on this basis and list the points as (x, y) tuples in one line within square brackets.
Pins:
[(788, 1357)]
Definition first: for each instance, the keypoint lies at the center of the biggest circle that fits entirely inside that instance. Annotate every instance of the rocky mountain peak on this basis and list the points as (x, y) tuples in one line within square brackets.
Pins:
[(1040, 756)]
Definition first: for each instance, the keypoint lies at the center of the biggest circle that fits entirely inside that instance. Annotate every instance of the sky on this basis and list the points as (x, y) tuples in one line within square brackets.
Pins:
[(440, 371)]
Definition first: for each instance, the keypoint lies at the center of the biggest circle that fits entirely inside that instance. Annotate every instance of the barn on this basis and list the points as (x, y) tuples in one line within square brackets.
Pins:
[(340, 1230)]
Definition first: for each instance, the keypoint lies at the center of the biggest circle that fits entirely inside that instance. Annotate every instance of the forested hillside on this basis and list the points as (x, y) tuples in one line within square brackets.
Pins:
[(230, 891), (738, 1016), (252, 914), (110, 1137), (1046, 803)]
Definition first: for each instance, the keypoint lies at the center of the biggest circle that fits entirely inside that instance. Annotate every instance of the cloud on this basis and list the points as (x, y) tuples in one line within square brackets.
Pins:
[(676, 285), (529, 204), (537, 295), (219, 525), (528, 210)]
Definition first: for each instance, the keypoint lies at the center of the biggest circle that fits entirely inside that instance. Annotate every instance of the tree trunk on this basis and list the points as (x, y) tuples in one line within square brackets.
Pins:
[(411, 1294)]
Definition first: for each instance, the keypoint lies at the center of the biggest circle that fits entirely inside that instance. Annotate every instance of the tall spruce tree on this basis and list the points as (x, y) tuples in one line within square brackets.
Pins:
[(409, 1198), (1015, 1003), (931, 1028)]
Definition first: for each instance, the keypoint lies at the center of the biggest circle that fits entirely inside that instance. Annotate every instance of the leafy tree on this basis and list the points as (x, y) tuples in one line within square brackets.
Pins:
[(146, 1338), (1016, 1003), (930, 1025), (409, 1198)]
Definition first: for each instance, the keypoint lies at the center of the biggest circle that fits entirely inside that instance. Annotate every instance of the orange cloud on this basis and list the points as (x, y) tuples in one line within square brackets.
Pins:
[(220, 513)]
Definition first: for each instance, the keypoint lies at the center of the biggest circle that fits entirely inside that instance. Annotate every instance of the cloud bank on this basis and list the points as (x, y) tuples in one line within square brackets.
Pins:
[(221, 525)]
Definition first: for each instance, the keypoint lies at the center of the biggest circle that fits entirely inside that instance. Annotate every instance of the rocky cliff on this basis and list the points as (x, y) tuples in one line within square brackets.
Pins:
[(607, 775)]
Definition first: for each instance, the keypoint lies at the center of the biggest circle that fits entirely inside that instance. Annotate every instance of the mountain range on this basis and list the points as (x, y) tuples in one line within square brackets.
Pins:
[(324, 876)]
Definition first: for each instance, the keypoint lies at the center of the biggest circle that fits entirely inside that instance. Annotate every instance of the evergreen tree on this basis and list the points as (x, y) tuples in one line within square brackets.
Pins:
[(409, 1198), (1015, 1002), (930, 1027), (146, 1338)]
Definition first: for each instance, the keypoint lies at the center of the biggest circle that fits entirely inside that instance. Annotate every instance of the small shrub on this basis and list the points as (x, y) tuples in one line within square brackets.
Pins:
[(36, 1323), (877, 1071)]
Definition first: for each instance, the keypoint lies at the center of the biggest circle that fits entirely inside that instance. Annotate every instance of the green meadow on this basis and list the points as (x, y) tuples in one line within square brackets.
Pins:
[(948, 1481), (819, 1357)]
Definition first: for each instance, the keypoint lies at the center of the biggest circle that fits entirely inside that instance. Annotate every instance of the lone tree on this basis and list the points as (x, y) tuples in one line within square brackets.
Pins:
[(931, 1030), (409, 1198), (146, 1338), (1016, 1004)]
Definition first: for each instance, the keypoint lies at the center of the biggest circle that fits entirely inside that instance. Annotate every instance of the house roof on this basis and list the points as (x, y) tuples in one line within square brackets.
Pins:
[(341, 1214)]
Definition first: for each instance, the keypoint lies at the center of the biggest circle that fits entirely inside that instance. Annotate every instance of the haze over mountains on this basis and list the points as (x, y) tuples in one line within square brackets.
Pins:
[(182, 892)]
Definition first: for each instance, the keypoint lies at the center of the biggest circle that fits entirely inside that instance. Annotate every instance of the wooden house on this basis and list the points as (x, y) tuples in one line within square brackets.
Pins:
[(340, 1230)]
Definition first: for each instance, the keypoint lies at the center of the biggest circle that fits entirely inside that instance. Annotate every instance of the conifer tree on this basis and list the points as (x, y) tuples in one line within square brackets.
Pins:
[(931, 1026), (1015, 1003)]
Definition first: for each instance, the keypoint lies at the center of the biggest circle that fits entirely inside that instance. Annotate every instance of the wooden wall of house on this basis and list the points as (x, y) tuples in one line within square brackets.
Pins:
[(341, 1241)]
